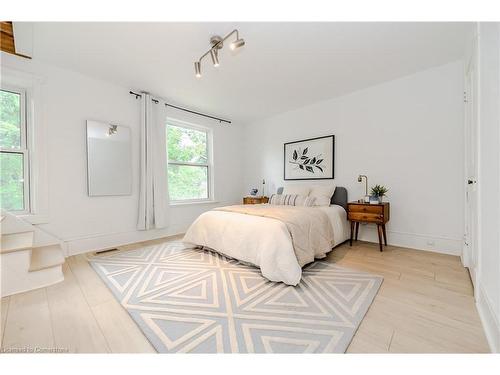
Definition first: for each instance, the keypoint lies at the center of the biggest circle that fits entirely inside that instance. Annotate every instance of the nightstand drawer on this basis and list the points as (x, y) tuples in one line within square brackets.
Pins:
[(365, 208), (255, 200), (368, 217)]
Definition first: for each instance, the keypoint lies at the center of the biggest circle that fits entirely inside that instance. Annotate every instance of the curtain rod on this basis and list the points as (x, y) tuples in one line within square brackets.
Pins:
[(182, 109)]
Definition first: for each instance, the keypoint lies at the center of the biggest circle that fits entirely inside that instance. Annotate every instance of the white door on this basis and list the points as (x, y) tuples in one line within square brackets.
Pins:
[(469, 255)]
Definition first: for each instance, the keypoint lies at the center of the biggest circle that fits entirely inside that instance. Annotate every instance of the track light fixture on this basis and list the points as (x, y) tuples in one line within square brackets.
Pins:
[(113, 129), (217, 43), (237, 44), (197, 69), (215, 57)]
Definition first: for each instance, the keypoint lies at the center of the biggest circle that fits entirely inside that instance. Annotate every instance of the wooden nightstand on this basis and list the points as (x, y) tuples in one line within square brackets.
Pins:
[(368, 213), (255, 200)]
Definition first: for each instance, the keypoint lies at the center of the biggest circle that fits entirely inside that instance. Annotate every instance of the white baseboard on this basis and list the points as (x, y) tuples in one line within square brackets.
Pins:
[(367, 233), (490, 322), (87, 244), (443, 245)]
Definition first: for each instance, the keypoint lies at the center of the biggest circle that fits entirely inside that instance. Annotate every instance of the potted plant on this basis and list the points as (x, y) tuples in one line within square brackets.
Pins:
[(379, 191)]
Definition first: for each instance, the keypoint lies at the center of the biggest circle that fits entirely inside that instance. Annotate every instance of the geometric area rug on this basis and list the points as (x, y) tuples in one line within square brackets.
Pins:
[(193, 300)]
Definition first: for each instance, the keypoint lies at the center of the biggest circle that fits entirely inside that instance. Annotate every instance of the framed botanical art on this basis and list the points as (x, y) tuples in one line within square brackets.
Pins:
[(310, 159)]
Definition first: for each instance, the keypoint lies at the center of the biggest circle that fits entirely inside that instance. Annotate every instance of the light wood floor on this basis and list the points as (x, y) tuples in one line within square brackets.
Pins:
[(425, 305)]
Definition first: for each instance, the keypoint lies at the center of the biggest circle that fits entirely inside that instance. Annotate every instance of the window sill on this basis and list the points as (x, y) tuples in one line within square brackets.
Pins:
[(190, 203), (33, 218)]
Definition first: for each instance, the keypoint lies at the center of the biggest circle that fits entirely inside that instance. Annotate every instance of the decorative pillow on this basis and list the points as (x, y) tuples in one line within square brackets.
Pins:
[(296, 189), (322, 193), (291, 200)]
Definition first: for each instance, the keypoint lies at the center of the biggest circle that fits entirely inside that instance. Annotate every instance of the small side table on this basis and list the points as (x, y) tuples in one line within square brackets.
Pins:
[(255, 200), (369, 213)]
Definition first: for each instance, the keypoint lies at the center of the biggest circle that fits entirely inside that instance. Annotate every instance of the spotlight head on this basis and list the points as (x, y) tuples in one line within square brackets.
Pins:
[(237, 44), (215, 57), (359, 178), (113, 129), (197, 69)]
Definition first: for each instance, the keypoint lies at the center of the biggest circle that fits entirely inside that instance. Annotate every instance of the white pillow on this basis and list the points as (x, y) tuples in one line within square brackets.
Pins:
[(296, 190), (322, 193)]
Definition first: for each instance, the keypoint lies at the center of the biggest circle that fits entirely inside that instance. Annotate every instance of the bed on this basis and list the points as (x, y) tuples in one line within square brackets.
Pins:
[(279, 240)]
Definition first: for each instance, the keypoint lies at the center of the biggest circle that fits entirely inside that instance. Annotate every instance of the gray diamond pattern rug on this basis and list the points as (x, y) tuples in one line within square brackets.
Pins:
[(197, 301)]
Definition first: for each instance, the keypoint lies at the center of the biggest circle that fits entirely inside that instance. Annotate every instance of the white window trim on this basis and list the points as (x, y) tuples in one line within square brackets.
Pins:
[(23, 147), (36, 143), (209, 164)]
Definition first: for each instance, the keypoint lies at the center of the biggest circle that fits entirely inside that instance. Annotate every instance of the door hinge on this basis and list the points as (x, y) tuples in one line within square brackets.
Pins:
[(465, 96)]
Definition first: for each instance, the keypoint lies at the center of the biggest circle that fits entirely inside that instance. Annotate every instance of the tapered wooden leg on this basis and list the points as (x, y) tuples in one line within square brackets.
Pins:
[(357, 230), (352, 232), (379, 230), (385, 234)]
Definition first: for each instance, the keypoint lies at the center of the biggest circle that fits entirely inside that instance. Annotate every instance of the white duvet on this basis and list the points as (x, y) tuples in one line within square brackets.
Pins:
[(262, 241)]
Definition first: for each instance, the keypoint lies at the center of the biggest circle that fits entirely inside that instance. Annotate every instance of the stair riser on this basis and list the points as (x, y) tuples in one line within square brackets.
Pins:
[(15, 277), (46, 257), (16, 241)]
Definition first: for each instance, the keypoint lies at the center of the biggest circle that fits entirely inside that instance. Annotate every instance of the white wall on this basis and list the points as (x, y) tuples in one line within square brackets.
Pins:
[(86, 223), (406, 134), (488, 275)]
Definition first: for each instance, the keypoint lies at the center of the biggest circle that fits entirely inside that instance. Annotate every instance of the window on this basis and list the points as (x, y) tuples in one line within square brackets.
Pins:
[(189, 164), (14, 157)]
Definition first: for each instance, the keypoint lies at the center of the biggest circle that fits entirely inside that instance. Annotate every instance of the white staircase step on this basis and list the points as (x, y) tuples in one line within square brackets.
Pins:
[(30, 256), (16, 241), (46, 257), (43, 238), (15, 277), (13, 224)]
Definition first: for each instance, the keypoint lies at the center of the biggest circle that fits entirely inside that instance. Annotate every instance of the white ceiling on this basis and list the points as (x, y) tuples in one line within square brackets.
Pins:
[(282, 67)]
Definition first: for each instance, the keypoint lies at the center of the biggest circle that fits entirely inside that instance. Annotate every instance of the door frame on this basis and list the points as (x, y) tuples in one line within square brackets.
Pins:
[(471, 194)]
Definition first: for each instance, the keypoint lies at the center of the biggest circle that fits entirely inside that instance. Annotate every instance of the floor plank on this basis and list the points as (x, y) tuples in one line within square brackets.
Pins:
[(429, 298), (28, 324), (122, 333), (372, 336), (4, 310), (94, 290), (429, 326), (425, 339), (73, 322)]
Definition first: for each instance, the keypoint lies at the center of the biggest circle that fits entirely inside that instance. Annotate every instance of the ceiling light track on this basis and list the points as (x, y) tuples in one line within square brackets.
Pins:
[(217, 43)]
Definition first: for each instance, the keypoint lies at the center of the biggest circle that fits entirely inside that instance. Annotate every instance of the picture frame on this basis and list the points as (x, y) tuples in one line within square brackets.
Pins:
[(309, 159)]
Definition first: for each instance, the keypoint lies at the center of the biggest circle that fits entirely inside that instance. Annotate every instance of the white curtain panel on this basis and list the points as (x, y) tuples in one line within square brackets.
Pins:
[(153, 192)]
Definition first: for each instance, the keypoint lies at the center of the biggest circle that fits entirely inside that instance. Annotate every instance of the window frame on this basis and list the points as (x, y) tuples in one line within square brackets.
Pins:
[(23, 147), (37, 142), (208, 164)]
